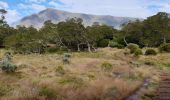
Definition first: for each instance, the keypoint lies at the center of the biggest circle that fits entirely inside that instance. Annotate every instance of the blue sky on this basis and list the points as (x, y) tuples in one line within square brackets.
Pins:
[(17, 9)]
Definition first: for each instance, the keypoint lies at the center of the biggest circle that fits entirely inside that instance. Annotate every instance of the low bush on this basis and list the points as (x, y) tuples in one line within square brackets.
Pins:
[(165, 48), (103, 43), (48, 93), (106, 66), (74, 81), (6, 65), (138, 52), (66, 58), (52, 50), (132, 47), (150, 52), (116, 45), (60, 70)]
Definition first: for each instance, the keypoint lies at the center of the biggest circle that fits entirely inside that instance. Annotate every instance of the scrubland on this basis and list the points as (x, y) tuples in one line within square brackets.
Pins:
[(108, 74)]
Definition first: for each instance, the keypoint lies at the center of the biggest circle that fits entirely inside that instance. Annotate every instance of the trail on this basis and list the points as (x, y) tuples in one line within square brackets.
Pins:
[(163, 92), (137, 93)]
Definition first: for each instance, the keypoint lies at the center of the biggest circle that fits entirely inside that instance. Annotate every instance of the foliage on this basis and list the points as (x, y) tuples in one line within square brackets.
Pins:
[(106, 66), (48, 93), (115, 44), (76, 82), (60, 70), (103, 43), (150, 52), (66, 58), (132, 47), (165, 48), (6, 65), (138, 52), (53, 49), (72, 35)]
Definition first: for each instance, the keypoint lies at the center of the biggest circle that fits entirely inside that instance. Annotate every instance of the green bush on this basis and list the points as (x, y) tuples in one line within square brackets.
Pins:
[(6, 65), (60, 70), (165, 48), (116, 45), (103, 43), (48, 93), (132, 47), (150, 52), (138, 52), (66, 58), (106, 66), (52, 49)]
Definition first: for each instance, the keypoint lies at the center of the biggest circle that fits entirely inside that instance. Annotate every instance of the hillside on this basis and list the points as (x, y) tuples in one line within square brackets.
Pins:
[(37, 20)]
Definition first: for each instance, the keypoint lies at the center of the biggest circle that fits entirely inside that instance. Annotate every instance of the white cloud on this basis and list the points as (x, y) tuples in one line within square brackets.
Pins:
[(37, 7), (54, 4), (3, 5), (130, 8), (36, 1), (12, 16), (33, 7)]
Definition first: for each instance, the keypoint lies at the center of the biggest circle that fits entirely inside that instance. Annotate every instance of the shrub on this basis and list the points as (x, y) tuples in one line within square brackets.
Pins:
[(150, 52), (6, 65), (74, 81), (132, 47), (165, 48), (106, 66), (48, 93), (103, 43), (66, 58), (138, 52), (60, 70), (52, 49), (115, 44)]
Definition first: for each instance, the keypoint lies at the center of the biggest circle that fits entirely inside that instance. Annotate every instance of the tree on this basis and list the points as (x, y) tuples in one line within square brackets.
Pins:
[(4, 27), (97, 34), (72, 32), (159, 23)]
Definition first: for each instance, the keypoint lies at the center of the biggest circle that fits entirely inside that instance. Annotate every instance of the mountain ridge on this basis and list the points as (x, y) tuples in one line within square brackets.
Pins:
[(56, 16)]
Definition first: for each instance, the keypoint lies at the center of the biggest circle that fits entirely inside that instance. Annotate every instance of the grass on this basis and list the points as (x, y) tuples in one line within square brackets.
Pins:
[(105, 74)]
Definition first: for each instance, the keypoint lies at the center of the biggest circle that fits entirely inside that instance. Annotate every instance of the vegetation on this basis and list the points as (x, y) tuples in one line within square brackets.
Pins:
[(133, 47), (150, 52), (41, 79), (6, 64), (165, 48), (106, 66), (138, 52)]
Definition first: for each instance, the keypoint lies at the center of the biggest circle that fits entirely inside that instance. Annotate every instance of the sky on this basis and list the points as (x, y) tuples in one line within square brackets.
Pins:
[(18, 9)]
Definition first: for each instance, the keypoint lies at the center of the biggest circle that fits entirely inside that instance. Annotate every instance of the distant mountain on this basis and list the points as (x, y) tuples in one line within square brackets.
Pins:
[(56, 16)]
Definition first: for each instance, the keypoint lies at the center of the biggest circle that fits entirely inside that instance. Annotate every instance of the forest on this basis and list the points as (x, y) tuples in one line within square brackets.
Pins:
[(72, 35)]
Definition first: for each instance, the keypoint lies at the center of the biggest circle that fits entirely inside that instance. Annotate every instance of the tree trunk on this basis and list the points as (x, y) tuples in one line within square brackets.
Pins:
[(164, 39), (78, 47), (125, 40), (94, 48), (89, 48)]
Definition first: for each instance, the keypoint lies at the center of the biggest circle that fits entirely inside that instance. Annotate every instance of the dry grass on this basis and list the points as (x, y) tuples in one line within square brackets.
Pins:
[(83, 78)]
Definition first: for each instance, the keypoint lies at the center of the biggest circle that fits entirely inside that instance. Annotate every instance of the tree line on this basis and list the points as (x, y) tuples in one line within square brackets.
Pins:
[(72, 35)]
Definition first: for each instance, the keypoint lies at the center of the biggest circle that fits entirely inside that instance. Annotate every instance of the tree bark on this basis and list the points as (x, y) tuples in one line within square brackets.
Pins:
[(125, 40), (78, 47), (89, 48), (164, 39), (94, 48)]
